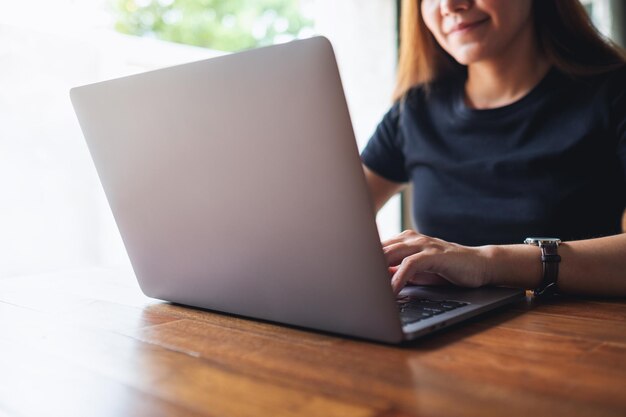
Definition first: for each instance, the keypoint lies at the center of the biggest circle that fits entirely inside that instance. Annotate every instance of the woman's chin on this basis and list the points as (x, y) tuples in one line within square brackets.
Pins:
[(468, 54)]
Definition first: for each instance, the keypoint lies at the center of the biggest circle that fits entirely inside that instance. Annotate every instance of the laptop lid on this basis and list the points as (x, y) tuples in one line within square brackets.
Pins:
[(236, 186)]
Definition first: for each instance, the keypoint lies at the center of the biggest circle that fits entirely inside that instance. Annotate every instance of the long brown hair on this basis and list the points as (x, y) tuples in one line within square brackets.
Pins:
[(565, 33)]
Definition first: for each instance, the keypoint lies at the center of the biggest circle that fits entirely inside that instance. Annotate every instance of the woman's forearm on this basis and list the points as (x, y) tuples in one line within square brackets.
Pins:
[(590, 267)]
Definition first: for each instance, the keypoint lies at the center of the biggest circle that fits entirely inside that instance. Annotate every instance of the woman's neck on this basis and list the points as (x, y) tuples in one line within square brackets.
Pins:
[(507, 78)]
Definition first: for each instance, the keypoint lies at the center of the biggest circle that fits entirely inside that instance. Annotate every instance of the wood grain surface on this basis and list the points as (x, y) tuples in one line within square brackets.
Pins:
[(88, 343)]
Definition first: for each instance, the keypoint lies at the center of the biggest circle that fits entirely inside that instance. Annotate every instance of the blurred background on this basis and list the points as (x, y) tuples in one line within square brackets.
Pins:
[(53, 213)]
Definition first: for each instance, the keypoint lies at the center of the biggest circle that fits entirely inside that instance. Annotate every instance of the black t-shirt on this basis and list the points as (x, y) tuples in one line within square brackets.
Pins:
[(551, 164)]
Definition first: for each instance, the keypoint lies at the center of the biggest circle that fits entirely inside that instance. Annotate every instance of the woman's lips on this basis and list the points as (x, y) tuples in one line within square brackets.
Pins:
[(466, 26)]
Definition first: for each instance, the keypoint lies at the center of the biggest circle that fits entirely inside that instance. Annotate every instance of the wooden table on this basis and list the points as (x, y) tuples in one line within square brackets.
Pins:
[(88, 343)]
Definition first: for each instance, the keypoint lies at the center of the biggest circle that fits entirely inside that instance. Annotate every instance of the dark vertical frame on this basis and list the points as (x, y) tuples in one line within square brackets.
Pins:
[(406, 216), (618, 10), (405, 195)]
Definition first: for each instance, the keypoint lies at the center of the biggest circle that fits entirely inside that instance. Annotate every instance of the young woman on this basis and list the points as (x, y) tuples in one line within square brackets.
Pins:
[(510, 122)]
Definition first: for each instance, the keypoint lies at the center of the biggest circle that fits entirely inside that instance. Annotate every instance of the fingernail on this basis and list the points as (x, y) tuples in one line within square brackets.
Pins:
[(394, 285)]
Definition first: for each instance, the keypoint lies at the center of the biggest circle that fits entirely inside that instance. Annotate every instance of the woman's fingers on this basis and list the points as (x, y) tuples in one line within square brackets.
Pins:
[(392, 270), (405, 258), (410, 267), (402, 237), (428, 278), (396, 252), (423, 260)]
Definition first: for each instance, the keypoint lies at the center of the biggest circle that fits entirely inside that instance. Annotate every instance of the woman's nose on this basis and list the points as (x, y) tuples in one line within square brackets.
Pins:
[(454, 6)]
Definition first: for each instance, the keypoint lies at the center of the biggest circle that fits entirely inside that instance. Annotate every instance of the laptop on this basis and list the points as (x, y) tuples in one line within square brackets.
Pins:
[(237, 186)]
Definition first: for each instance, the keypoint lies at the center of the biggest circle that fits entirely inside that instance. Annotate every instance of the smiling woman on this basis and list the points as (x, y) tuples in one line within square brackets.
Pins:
[(509, 122), (422, 58), (463, 37)]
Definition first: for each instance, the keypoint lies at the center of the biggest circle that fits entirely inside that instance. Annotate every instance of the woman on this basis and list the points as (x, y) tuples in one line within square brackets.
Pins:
[(509, 121)]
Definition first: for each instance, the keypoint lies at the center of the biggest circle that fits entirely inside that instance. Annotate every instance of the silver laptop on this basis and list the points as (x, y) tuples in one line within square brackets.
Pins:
[(236, 185)]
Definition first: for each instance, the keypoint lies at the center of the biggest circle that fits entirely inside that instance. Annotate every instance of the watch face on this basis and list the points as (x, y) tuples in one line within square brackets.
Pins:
[(541, 240)]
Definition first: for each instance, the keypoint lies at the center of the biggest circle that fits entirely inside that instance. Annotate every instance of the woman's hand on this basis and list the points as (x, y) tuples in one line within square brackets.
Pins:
[(418, 259)]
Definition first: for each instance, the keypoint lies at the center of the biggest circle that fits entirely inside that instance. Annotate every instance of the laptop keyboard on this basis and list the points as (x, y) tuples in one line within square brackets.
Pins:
[(415, 309)]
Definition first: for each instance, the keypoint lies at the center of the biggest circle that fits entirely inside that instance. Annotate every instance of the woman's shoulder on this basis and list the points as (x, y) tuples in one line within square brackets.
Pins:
[(604, 91), (611, 81), (610, 88), (615, 80)]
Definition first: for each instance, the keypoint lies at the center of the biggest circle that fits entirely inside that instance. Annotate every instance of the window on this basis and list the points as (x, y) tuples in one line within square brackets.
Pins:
[(608, 16), (54, 213)]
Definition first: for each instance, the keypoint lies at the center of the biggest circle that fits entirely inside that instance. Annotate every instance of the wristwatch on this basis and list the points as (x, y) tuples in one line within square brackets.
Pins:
[(550, 260)]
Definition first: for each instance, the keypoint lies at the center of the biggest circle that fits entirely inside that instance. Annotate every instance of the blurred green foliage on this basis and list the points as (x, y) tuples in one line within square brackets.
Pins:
[(227, 25)]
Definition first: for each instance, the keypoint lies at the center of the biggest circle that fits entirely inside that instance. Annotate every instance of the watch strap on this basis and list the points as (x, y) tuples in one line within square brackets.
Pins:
[(550, 260)]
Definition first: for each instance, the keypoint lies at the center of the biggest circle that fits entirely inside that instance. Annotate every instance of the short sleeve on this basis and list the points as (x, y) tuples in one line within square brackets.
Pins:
[(383, 153)]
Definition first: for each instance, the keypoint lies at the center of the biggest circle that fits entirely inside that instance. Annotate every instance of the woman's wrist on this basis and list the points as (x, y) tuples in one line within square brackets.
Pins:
[(517, 266)]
